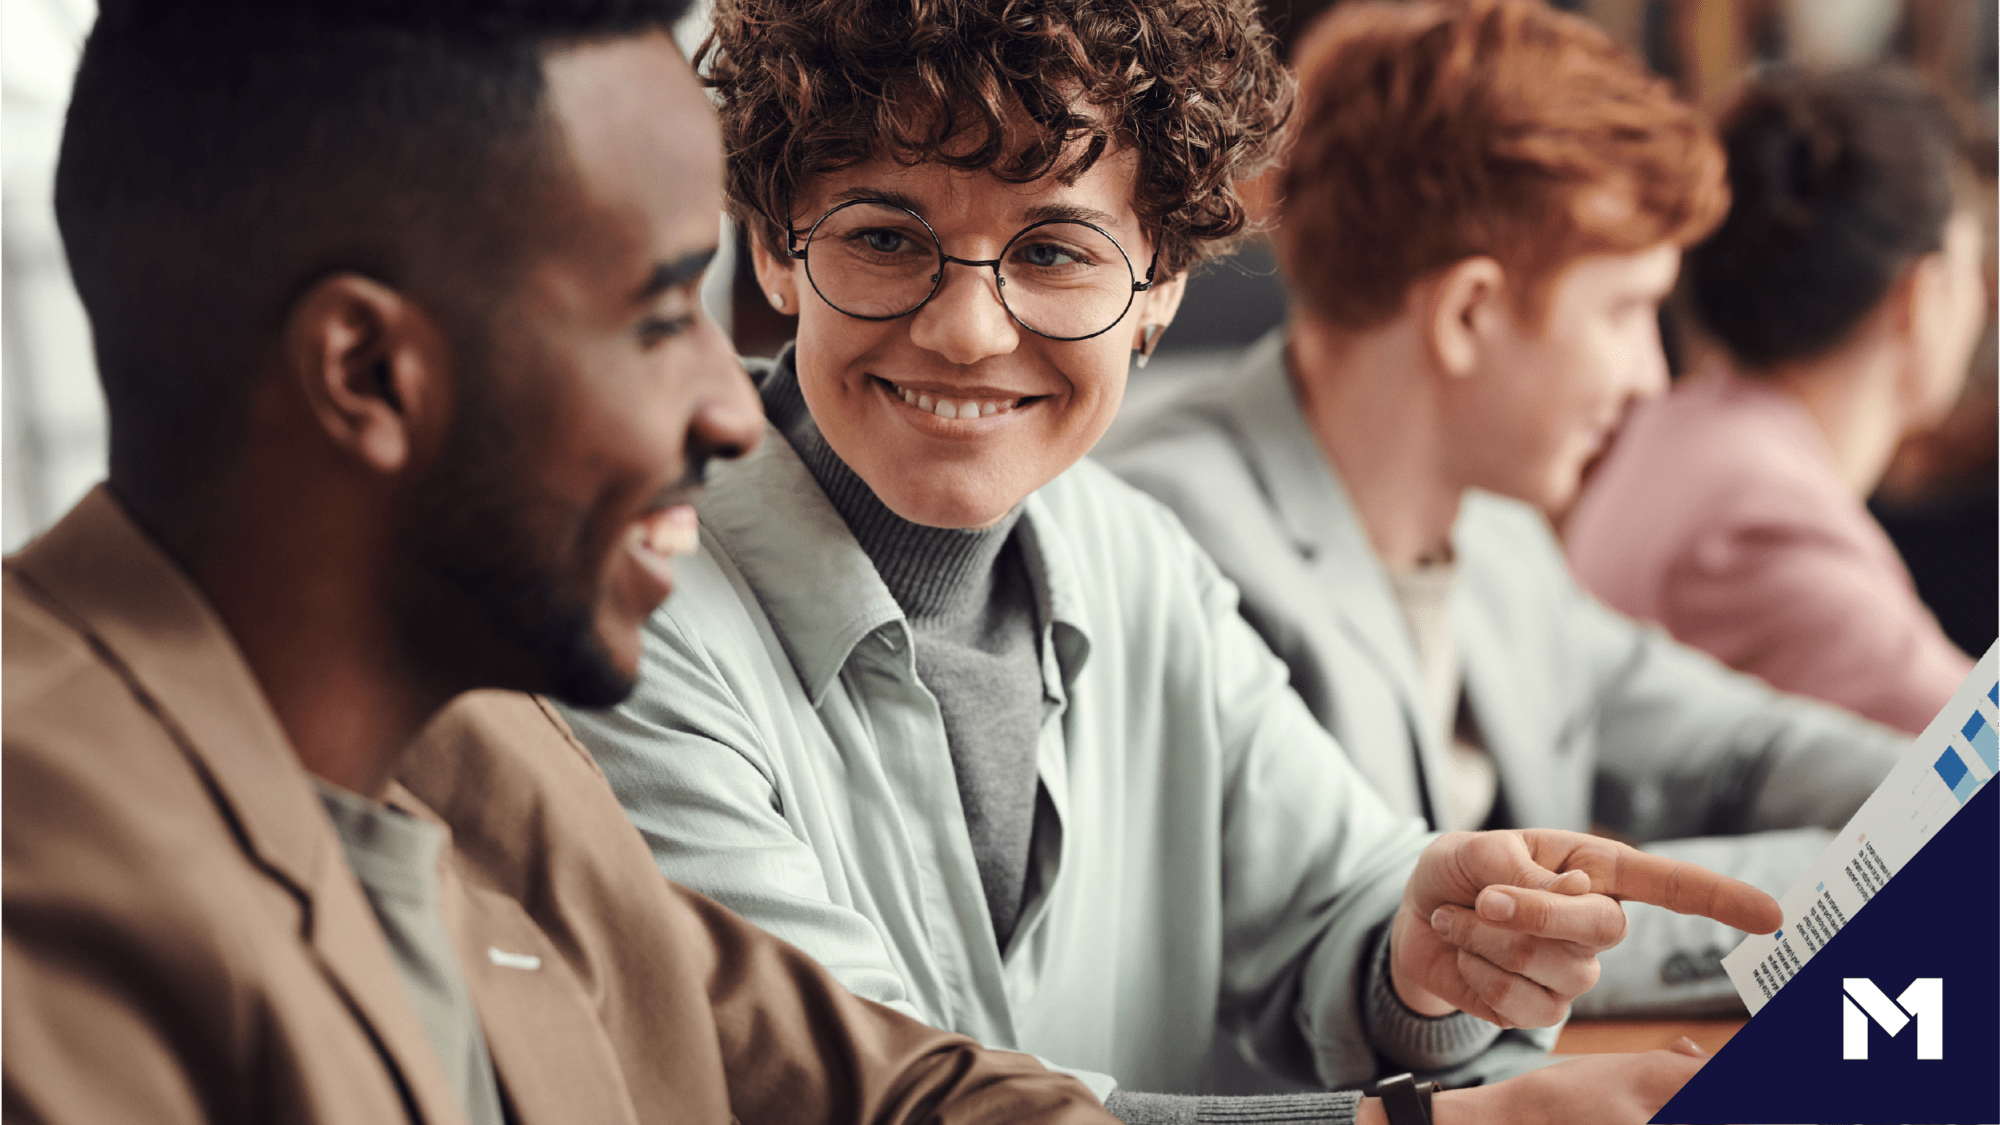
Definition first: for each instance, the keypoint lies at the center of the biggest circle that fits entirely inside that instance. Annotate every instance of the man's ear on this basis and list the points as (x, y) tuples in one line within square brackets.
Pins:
[(372, 366), (1462, 304), (775, 276)]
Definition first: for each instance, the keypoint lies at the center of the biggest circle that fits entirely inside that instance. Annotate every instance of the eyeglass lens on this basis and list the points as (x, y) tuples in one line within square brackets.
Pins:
[(1062, 279)]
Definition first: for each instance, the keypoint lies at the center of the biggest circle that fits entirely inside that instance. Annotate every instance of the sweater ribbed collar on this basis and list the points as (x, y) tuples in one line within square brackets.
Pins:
[(934, 573)]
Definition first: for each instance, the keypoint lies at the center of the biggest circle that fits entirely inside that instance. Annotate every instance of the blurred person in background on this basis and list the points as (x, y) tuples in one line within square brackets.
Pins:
[(1484, 205), (1844, 297), (977, 725)]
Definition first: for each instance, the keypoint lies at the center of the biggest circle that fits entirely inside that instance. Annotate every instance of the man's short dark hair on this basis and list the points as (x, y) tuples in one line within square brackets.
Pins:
[(222, 155)]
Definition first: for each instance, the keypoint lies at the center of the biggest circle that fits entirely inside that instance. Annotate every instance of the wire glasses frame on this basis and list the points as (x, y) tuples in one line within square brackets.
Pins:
[(936, 280)]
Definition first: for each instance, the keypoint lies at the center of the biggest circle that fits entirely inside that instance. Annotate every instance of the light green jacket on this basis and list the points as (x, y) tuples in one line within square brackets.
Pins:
[(1217, 867)]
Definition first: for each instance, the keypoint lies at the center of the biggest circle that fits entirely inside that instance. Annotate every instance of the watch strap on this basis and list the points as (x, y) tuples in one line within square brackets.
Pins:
[(1405, 1101)]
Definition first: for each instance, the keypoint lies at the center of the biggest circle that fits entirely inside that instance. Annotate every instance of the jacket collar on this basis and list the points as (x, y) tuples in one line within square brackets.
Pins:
[(1266, 420), (147, 620), (1262, 412)]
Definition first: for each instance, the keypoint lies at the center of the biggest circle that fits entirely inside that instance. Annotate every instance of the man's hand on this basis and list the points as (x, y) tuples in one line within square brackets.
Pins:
[(1508, 925), (1600, 1089)]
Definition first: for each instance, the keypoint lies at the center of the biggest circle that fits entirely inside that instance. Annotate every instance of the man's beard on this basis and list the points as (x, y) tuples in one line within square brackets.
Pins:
[(470, 527)]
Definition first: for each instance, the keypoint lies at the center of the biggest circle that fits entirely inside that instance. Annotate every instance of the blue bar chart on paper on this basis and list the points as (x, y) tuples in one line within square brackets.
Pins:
[(1950, 761), (1957, 778), (1954, 766)]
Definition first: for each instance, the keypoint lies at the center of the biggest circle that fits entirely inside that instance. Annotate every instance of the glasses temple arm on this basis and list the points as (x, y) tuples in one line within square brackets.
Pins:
[(1143, 286)]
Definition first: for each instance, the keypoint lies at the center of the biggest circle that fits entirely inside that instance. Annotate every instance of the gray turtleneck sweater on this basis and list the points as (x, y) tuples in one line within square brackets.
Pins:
[(973, 613)]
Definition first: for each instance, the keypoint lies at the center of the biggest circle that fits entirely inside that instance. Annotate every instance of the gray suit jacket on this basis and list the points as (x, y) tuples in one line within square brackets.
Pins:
[(1589, 717)]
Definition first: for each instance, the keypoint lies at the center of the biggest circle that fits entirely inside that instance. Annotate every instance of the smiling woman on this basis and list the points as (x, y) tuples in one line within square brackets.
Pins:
[(939, 700), (986, 208)]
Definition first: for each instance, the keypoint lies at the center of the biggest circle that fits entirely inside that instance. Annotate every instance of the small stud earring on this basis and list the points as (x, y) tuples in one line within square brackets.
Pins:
[(777, 301), (1149, 337)]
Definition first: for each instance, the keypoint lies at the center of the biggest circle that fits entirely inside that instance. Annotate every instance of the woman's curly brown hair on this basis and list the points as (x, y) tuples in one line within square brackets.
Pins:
[(1020, 89)]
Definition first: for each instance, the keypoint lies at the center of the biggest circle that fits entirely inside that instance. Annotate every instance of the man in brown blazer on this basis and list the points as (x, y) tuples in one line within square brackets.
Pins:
[(409, 387)]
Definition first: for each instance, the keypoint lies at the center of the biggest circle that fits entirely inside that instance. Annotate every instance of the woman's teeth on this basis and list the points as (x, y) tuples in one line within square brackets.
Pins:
[(956, 408)]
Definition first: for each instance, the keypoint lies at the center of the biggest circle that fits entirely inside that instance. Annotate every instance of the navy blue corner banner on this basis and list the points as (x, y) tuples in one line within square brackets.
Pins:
[(1937, 921)]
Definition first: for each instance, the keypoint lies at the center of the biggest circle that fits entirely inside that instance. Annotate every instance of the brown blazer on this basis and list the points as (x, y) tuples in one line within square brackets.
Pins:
[(184, 941)]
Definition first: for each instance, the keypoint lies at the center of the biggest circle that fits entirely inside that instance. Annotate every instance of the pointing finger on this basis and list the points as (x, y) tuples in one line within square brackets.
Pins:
[(1686, 888)]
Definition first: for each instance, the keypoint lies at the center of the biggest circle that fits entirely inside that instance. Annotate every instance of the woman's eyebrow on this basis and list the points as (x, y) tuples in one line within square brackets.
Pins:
[(1040, 212), (885, 195), (1043, 212)]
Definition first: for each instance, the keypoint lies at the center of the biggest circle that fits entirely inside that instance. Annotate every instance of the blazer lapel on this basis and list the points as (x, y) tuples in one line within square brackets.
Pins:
[(1517, 738), (1312, 503), (349, 944), (151, 621), (551, 1053)]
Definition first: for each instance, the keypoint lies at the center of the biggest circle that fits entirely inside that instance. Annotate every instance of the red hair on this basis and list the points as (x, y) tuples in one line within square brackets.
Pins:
[(1433, 132)]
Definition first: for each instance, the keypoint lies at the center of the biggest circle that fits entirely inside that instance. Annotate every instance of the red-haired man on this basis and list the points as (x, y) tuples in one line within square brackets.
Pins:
[(1484, 207)]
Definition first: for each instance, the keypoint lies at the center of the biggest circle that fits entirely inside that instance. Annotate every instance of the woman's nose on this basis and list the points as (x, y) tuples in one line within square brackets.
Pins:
[(965, 320)]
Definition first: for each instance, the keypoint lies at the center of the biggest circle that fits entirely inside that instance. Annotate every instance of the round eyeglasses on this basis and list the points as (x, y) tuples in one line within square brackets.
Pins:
[(1065, 279)]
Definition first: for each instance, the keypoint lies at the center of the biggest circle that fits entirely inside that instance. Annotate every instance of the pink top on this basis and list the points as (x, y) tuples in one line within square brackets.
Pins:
[(1720, 515)]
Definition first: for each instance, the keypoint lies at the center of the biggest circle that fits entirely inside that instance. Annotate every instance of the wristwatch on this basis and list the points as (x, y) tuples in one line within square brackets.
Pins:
[(1405, 1100)]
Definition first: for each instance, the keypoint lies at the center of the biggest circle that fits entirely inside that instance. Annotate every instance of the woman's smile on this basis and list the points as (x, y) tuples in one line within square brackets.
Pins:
[(938, 404)]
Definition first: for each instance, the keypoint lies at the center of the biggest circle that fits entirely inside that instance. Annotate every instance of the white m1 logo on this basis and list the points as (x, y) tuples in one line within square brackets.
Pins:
[(1922, 1002)]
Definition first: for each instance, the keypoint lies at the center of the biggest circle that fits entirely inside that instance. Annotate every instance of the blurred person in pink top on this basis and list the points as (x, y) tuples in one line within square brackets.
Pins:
[(1844, 297)]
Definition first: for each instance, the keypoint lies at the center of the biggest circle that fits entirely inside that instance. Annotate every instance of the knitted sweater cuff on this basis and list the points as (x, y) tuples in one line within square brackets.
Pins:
[(1409, 1039), (1337, 1108)]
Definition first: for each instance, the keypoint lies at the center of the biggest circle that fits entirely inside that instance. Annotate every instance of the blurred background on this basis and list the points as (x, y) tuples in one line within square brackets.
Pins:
[(1939, 501)]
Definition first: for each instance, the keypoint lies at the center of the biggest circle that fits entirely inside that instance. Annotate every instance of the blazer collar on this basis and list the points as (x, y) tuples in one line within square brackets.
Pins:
[(152, 625), (1267, 421), (150, 620)]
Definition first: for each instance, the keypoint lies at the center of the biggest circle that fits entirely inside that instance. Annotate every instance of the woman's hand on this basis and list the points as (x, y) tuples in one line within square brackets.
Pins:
[(1508, 925)]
